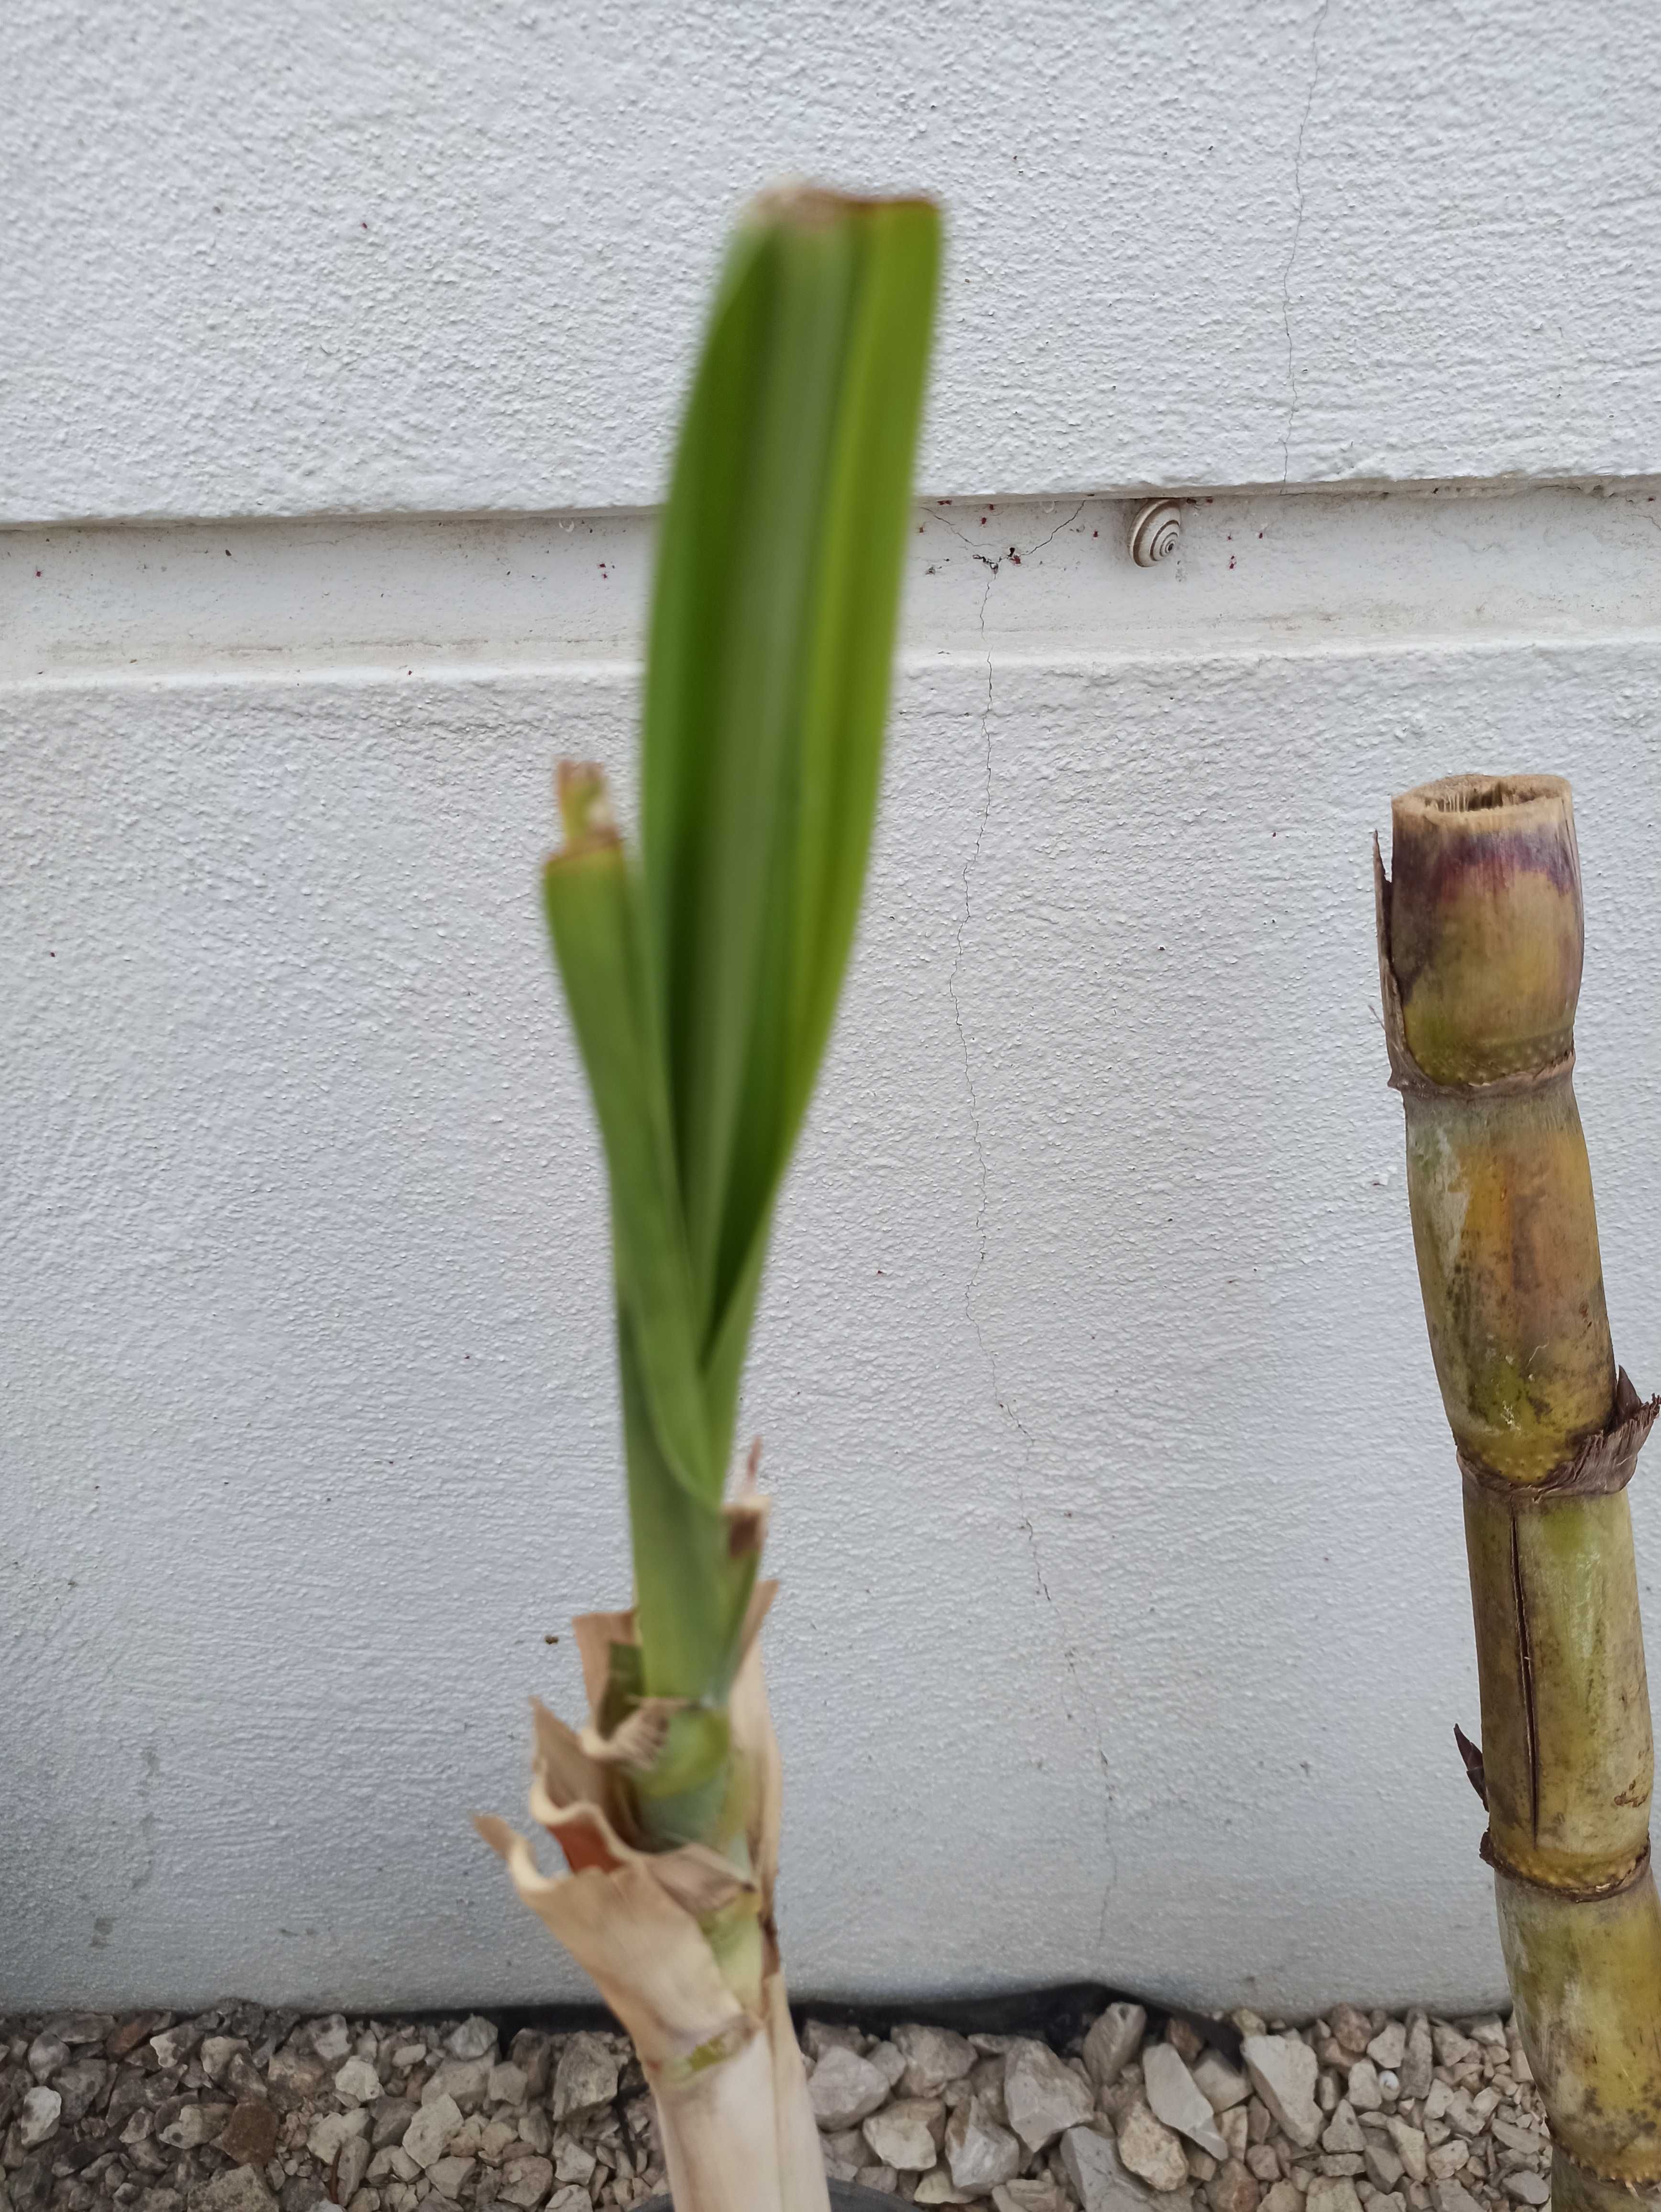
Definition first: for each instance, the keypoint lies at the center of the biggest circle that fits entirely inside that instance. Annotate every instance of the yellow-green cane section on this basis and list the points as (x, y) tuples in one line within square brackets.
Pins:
[(1586, 1978), (1480, 956)]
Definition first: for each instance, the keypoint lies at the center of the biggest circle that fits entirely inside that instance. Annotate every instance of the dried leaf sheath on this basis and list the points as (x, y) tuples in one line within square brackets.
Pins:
[(722, 2063), (1480, 958)]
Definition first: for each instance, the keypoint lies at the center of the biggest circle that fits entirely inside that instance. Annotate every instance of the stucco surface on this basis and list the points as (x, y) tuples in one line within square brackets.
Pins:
[(1124, 1623), (291, 257)]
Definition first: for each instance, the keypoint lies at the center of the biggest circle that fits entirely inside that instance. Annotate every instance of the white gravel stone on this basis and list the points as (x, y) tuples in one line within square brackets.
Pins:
[(1389, 2047), (1098, 2177), (239, 2188), (1223, 2086), (357, 2079), (1383, 2166), (937, 2187), (173, 2046), (330, 2039), (1449, 2195), (980, 2153), (1417, 2064), (46, 2054), (217, 2053), (822, 2035), (843, 2088), (1034, 2193), (354, 2164), (1113, 2041), (507, 2085), (1042, 2094), (1531, 2142), (1235, 2128), (536, 2130), (1150, 2149), (466, 2080), (573, 2161), (1330, 2192), (1528, 2187), (431, 2128), (192, 2125), (330, 2129), (474, 2038), (906, 2135), (83, 2085), (586, 2075), (1283, 2072), (1177, 2098), (933, 2057), (500, 2139), (889, 2061), (1410, 2147), (526, 2183), (37, 2122), (1364, 2091), (1343, 2132)]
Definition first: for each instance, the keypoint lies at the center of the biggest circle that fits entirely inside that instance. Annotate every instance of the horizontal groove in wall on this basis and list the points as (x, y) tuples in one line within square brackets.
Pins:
[(1027, 578)]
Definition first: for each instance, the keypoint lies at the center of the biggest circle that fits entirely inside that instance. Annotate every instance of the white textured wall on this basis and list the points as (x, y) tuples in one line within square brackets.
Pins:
[(1125, 1622), (293, 255)]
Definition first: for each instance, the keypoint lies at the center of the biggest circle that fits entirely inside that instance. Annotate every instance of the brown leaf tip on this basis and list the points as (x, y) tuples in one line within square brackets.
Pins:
[(585, 805)]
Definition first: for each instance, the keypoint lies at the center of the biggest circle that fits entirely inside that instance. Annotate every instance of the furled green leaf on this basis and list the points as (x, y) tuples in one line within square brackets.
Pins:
[(703, 989), (771, 643)]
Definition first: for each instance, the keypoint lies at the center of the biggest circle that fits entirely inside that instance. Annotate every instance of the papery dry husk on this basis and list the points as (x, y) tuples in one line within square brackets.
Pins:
[(737, 2129)]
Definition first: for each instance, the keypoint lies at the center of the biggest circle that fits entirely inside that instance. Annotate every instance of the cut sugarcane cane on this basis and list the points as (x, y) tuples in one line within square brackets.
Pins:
[(701, 978), (1480, 941)]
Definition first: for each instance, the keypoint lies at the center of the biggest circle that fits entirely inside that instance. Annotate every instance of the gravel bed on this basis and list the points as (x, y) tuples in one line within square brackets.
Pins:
[(245, 2110)]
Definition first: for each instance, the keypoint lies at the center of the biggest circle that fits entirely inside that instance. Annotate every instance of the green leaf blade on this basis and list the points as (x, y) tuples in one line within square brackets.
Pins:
[(591, 904), (766, 702), (702, 990)]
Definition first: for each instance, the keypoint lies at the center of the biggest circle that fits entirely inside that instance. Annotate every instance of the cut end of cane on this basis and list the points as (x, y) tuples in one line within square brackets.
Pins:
[(1485, 794), (799, 205), (1485, 925)]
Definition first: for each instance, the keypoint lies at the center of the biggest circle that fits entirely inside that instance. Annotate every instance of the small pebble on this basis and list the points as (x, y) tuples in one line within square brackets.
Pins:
[(1150, 2149), (38, 2123)]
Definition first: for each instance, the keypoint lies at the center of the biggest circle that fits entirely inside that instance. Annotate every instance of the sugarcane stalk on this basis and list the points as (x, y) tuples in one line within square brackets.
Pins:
[(1481, 933), (700, 975)]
